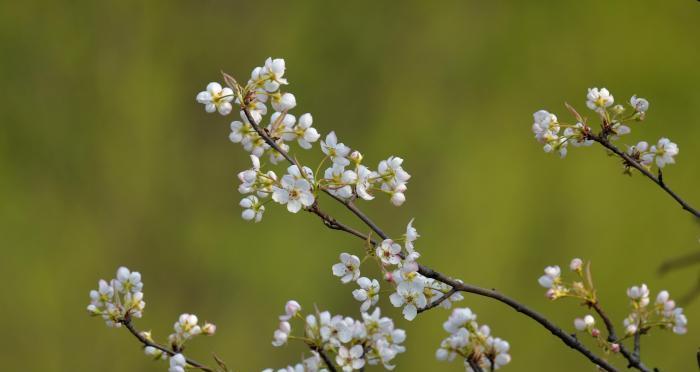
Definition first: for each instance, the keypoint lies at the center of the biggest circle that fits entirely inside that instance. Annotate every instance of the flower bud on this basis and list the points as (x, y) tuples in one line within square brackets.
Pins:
[(615, 347), (576, 264)]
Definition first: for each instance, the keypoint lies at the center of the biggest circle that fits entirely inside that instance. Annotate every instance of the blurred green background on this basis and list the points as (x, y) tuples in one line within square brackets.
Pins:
[(106, 160)]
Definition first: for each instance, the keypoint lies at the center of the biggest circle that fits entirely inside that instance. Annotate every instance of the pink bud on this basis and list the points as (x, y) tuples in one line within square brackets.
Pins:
[(615, 348), (595, 332), (551, 294), (389, 277)]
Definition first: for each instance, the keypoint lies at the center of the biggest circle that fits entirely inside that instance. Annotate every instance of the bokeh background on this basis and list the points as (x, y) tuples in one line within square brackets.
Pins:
[(106, 160)]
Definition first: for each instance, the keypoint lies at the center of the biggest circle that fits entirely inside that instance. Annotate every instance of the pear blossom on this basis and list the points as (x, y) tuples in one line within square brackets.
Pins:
[(348, 269), (411, 297), (119, 298), (216, 98), (368, 293), (302, 132), (640, 294), (388, 252), (411, 236), (185, 328), (291, 308), (295, 193), (281, 334), (599, 99), (576, 264), (178, 363), (550, 277), (350, 359), (365, 182), (252, 208), (640, 105), (340, 181), (545, 125), (337, 152), (664, 151), (283, 101)]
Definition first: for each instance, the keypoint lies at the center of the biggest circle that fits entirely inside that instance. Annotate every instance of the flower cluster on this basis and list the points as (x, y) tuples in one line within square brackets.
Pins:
[(346, 177), (413, 291), (663, 313), (355, 343), (119, 299), (614, 123), (472, 342)]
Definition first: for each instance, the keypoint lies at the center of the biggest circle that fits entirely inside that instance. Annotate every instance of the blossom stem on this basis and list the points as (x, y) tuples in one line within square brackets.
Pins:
[(146, 342), (474, 365), (437, 302), (657, 180)]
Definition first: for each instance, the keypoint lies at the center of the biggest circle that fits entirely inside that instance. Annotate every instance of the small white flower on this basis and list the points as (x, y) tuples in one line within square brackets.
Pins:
[(365, 182), (639, 294), (640, 105), (551, 276), (291, 308), (350, 359), (338, 152), (368, 293), (216, 98), (409, 296), (281, 334), (664, 152), (186, 327), (295, 193), (599, 99), (302, 132), (388, 252), (545, 124), (348, 269), (252, 209), (576, 264), (283, 102), (178, 363)]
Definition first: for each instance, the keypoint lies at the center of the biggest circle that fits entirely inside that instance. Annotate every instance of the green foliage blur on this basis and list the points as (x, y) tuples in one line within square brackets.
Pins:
[(106, 160)]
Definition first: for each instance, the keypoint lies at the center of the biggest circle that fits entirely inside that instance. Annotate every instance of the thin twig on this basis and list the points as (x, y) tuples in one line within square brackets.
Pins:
[(474, 365), (632, 359), (324, 356), (430, 273), (146, 342), (657, 180), (439, 300)]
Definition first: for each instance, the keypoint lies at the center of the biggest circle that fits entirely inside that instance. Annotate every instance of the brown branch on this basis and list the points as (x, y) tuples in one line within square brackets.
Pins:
[(324, 356), (632, 359), (437, 302), (474, 365), (146, 342), (332, 223), (657, 180)]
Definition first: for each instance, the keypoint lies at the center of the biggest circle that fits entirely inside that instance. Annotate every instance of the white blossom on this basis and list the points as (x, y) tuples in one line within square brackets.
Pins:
[(411, 297), (216, 98), (599, 99), (252, 208), (368, 293), (178, 363), (388, 252), (664, 151), (348, 269), (350, 359), (336, 151), (294, 192), (640, 105)]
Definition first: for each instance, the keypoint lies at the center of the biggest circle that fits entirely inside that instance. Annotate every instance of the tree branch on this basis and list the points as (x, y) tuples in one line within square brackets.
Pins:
[(146, 342), (332, 223), (474, 365), (324, 356), (657, 180), (633, 359), (437, 302)]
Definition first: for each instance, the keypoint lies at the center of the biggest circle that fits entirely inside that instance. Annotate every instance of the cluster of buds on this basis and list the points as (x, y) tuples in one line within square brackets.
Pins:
[(355, 343), (663, 314), (121, 299), (614, 120), (472, 342), (581, 288), (118, 299), (413, 291), (186, 328), (345, 177)]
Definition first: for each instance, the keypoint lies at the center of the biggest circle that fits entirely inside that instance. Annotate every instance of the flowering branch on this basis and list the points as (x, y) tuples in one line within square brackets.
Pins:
[(629, 161), (632, 358), (148, 343), (425, 271), (324, 356)]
